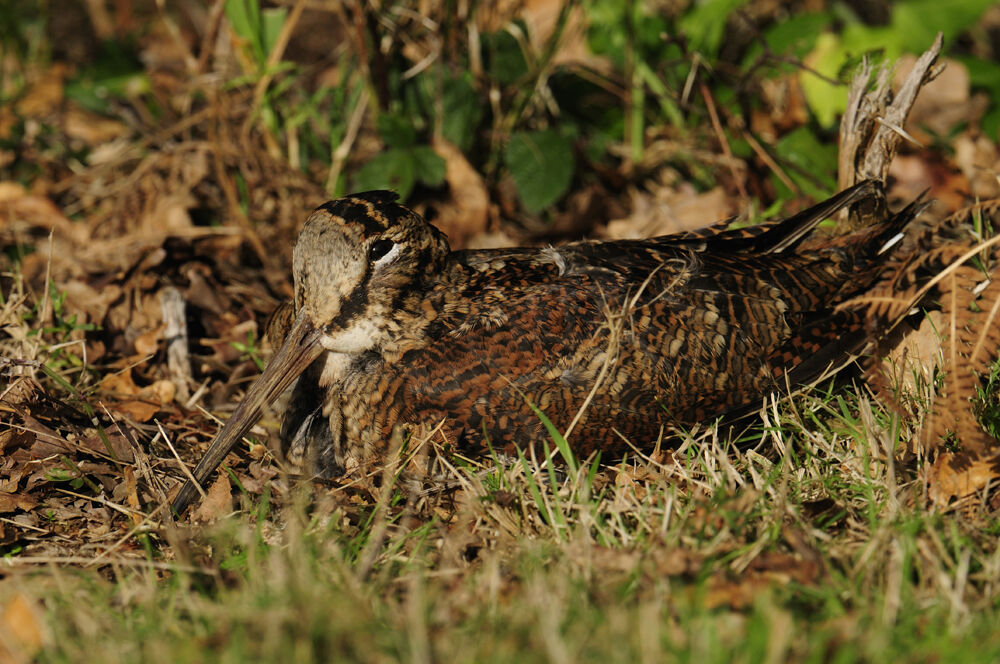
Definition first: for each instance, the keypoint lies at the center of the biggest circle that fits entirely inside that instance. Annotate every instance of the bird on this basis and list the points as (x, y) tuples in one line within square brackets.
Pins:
[(613, 341)]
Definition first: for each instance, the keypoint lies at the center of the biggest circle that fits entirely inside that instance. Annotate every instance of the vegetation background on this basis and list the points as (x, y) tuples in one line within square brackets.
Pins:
[(154, 153)]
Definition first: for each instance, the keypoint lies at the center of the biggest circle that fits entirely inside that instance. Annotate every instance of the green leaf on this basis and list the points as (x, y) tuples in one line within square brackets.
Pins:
[(400, 169), (704, 25), (272, 20), (460, 112), (917, 22), (536, 494), (393, 169), (244, 18), (795, 36), (819, 160), (561, 443), (428, 166), (506, 63), (396, 131), (541, 164), (913, 28)]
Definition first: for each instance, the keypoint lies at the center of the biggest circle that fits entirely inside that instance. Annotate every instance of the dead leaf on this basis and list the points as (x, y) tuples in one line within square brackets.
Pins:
[(670, 210), (120, 384), (46, 94), (47, 441), (132, 494), (16, 501), (140, 411), (954, 477), (148, 343), (978, 157), (13, 439), (919, 350), (161, 391), (465, 214), (542, 18), (149, 400), (771, 568), (120, 446), (18, 206), (23, 632), (91, 128), (943, 103), (170, 212), (218, 502), (93, 303), (915, 174)]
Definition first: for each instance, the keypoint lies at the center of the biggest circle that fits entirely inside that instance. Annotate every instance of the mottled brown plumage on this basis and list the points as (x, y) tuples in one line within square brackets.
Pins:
[(390, 327)]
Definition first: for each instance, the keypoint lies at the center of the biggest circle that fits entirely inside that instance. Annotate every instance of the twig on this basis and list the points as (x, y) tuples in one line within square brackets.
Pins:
[(723, 141), (344, 148), (17, 561), (208, 39), (771, 163), (184, 468), (176, 336)]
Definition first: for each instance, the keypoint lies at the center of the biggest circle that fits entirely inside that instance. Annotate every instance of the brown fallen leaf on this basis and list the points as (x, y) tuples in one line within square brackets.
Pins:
[(132, 494), (10, 502), (147, 401), (45, 94), (943, 103), (772, 568), (914, 174), (917, 353), (20, 207), (93, 303), (23, 631), (140, 411), (670, 210), (952, 476), (466, 212), (148, 342), (978, 157), (91, 128), (218, 501)]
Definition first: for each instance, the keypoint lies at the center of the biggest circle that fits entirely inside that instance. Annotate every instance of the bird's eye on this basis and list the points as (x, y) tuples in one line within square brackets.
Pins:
[(379, 249)]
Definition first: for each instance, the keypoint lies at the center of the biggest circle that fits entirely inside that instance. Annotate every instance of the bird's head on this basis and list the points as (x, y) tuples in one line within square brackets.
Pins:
[(355, 262)]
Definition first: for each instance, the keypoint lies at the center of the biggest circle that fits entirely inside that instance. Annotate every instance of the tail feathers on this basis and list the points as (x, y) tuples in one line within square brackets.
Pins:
[(871, 244), (784, 235)]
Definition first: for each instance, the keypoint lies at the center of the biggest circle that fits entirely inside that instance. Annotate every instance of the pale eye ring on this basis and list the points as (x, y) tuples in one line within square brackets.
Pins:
[(379, 249)]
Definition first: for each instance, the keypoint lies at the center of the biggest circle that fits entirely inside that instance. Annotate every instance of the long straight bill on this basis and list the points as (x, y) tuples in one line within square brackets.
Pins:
[(301, 347)]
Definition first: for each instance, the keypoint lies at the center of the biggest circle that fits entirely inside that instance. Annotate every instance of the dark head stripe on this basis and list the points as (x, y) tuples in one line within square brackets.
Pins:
[(375, 211)]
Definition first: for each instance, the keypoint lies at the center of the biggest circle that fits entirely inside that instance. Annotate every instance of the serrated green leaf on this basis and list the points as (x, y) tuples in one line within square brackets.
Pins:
[(428, 166), (801, 148), (396, 131), (913, 27), (705, 23), (393, 169), (460, 112), (541, 164), (917, 22), (794, 37), (506, 63)]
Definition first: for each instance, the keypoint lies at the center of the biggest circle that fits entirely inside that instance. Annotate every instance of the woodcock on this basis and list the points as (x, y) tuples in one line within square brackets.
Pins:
[(390, 327)]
